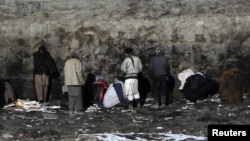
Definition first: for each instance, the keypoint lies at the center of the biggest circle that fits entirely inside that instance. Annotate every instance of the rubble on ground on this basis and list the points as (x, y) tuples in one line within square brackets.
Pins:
[(179, 119)]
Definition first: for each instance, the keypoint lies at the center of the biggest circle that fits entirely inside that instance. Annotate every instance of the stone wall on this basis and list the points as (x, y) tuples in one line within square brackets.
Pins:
[(208, 36)]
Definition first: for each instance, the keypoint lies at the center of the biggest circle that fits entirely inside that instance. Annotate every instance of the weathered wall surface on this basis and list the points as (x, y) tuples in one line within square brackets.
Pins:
[(208, 36)]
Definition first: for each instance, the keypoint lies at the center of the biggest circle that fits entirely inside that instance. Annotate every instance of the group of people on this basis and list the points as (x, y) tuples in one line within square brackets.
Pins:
[(45, 69), (131, 67), (160, 69)]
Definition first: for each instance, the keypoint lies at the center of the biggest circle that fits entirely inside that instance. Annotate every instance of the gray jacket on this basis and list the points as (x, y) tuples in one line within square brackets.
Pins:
[(159, 65)]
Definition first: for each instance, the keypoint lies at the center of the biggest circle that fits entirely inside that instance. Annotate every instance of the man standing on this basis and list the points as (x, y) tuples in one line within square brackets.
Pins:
[(160, 68), (73, 79), (44, 69), (131, 66)]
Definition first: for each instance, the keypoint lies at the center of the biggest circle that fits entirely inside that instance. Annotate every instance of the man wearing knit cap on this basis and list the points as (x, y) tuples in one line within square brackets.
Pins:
[(131, 66), (159, 68)]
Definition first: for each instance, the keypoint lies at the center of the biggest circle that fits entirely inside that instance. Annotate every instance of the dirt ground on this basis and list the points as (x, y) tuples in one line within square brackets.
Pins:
[(145, 123)]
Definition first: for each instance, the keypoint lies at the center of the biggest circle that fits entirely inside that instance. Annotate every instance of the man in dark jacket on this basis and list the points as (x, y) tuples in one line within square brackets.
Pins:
[(44, 69), (160, 69)]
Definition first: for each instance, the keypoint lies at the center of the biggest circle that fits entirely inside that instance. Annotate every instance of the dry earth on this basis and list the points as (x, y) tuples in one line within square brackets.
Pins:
[(142, 123)]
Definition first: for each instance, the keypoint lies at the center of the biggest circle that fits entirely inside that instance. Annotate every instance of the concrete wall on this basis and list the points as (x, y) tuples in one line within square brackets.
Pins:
[(208, 36)]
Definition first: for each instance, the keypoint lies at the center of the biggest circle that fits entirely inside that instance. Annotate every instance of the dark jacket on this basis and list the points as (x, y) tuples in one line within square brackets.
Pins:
[(44, 63), (159, 65)]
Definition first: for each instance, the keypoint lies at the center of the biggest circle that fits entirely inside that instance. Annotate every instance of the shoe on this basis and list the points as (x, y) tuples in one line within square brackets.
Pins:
[(45, 103), (155, 106), (78, 113), (135, 105), (40, 101), (71, 113), (165, 102), (163, 106), (130, 105)]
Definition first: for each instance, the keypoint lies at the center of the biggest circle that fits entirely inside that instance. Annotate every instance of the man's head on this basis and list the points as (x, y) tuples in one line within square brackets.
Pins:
[(157, 50), (128, 51), (42, 48)]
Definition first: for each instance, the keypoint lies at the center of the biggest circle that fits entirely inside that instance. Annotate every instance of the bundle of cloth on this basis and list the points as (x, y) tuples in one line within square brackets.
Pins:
[(195, 86), (114, 94)]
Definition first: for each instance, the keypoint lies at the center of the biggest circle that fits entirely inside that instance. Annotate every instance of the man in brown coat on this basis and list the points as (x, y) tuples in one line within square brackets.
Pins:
[(230, 87)]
